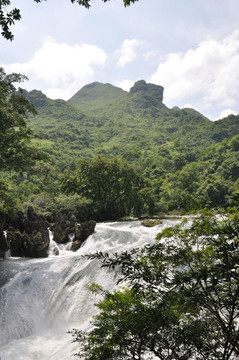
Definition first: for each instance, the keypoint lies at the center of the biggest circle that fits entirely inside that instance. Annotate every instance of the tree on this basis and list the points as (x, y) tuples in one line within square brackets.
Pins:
[(182, 300), (8, 17), (115, 187), (16, 153)]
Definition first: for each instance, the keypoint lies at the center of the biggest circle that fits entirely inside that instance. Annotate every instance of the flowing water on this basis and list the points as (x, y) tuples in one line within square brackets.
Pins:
[(42, 299)]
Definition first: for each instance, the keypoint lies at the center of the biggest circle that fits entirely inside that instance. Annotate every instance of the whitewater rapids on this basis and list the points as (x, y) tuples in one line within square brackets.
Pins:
[(42, 299)]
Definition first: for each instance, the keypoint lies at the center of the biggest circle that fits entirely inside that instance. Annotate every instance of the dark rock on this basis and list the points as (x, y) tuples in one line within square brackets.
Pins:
[(4, 246), (83, 230), (28, 236), (16, 240), (63, 227), (15, 221), (55, 251)]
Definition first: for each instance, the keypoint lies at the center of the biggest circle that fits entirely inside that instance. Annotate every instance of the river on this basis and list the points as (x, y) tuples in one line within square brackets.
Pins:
[(42, 299)]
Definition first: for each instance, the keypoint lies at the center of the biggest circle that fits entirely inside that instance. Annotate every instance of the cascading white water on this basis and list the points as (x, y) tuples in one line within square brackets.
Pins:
[(42, 299)]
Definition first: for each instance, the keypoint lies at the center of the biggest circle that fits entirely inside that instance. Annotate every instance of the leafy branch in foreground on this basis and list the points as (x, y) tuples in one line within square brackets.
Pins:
[(182, 300), (9, 17)]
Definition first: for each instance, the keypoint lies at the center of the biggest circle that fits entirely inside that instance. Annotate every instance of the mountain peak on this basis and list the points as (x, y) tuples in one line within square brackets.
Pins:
[(96, 94), (150, 92), (36, 97)]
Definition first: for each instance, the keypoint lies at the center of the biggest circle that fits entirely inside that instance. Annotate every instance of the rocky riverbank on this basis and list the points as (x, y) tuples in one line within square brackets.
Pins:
[(27, 235)]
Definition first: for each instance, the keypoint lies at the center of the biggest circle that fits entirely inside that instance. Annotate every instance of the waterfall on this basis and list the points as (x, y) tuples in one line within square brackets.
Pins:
[(42, 299)]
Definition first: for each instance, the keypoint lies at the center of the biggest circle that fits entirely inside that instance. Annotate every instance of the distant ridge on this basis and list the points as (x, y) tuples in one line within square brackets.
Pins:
[(96, 94)]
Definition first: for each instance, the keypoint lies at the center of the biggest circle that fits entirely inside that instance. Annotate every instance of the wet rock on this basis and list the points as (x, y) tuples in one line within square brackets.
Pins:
[(28, 235), (55, 250), (82, 232), (4, 246), (63, 227), (151, 222)]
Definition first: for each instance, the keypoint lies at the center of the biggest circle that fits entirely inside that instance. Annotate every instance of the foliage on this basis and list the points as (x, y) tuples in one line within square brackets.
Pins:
[(68, 205), (95, 95), (176, 149), (17, 154), (8, 18), (115, 188), (188, 167), (5, 198), (15, 134), (182, 300), (209, 180)]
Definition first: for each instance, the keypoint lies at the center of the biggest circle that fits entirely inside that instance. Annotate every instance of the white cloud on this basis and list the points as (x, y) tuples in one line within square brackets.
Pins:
[(227, 112), (150, 55), (209, 72), (127, 53), (62, 68)]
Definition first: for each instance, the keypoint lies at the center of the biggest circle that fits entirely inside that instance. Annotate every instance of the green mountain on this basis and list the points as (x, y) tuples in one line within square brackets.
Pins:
[(60, 127), (135, 124), (96, 94), (189, 158)]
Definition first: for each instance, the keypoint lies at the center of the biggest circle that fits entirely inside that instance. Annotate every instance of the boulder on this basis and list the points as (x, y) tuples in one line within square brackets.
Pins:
[(28, 235), (82, 232), (63, 227)]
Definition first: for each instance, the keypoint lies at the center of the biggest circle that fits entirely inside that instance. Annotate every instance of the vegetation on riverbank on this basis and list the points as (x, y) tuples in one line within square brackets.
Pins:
[(185, 161), (107, 154), (181, 299), (128, 156)]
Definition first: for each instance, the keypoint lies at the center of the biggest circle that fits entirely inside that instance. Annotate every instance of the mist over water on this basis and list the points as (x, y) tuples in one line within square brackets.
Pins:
[(42, 299)]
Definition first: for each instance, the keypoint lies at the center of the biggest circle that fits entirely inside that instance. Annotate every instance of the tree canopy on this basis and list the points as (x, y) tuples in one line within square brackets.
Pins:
[(15, 135), (16, 151), (115, 187), (181, 300), (187, 168), (8, 17)]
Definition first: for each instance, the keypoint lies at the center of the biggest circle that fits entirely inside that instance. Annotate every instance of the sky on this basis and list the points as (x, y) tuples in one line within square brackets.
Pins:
[(190, 47)]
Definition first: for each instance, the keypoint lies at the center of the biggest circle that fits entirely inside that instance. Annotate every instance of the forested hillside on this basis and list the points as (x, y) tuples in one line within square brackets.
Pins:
[(135, 125), (187, 161)]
